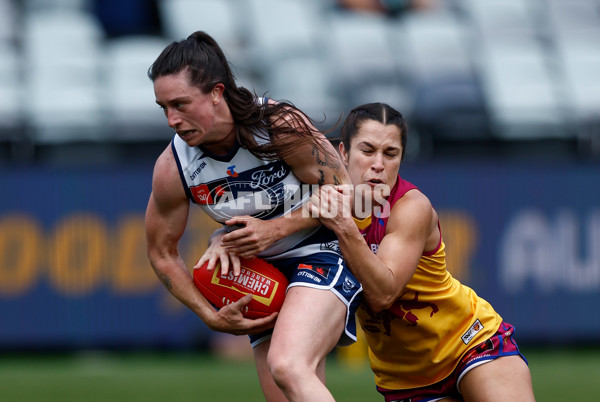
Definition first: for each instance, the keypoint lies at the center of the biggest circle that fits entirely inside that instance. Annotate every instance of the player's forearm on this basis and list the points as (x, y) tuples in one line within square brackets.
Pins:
[(293, 222), (173, 274), (375, 277)]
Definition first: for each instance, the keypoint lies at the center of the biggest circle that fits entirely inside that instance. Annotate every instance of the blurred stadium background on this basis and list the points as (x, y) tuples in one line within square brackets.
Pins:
[(503, 100)]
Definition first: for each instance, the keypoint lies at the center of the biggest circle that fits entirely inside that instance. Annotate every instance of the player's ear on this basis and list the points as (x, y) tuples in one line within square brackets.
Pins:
[(217, 93), (343, 153)]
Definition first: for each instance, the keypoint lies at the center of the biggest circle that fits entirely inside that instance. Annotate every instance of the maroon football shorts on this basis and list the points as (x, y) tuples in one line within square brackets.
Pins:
[(499, 345)]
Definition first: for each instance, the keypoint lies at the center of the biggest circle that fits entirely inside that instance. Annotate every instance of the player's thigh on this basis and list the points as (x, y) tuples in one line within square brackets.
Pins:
[(503, 379), (309, 324)]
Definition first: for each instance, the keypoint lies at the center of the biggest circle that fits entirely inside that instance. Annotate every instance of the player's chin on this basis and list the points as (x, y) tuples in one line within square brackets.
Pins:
[(192, 138), (192, 141), (364, 192), (381, 190)]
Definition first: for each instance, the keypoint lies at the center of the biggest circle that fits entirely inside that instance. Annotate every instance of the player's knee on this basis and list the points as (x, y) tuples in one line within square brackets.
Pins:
[(285, 370), (280, 366)]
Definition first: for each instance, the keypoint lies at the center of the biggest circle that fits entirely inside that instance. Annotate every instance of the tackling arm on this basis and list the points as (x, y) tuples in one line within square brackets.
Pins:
[(385, 274)]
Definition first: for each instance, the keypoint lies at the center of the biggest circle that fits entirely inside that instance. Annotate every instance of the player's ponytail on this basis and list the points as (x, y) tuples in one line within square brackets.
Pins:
[(207, 65)]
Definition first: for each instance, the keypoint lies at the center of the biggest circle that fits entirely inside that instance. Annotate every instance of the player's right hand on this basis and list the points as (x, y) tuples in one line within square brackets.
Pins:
[(230, 319)]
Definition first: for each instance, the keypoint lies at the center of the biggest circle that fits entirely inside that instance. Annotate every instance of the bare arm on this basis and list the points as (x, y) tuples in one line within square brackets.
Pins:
[(318, 164), (166, 218), (312, 164), (257, 235), (411, 229)]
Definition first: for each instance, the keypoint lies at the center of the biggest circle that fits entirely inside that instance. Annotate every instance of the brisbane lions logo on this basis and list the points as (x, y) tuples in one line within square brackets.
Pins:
[(401, 309)]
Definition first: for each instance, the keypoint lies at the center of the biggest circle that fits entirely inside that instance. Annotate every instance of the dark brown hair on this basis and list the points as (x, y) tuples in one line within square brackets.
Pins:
[(207, 65), (381, 112)]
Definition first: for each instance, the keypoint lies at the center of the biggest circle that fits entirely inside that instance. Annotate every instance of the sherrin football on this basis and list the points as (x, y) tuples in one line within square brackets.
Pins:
[(265, 282)]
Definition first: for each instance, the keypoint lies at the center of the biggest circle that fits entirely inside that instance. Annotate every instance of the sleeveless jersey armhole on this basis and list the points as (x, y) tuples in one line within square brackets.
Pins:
[(437, 248), (188, 193)]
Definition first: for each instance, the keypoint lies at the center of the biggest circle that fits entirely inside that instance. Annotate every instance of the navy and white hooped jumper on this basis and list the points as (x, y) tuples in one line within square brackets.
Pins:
[(242, 184)]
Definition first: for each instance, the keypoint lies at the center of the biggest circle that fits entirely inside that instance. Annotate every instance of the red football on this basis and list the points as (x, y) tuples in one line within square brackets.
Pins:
[(266, 283)]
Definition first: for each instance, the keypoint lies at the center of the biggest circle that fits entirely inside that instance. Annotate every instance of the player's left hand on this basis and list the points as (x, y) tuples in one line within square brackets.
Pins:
[(251, 237), (216, 253)]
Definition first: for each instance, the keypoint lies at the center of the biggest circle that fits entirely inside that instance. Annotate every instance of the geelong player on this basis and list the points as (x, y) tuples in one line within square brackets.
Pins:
[(241, 158)]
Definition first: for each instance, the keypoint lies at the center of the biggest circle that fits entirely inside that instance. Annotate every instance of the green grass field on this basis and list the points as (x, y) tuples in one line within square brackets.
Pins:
[(558, 375)]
